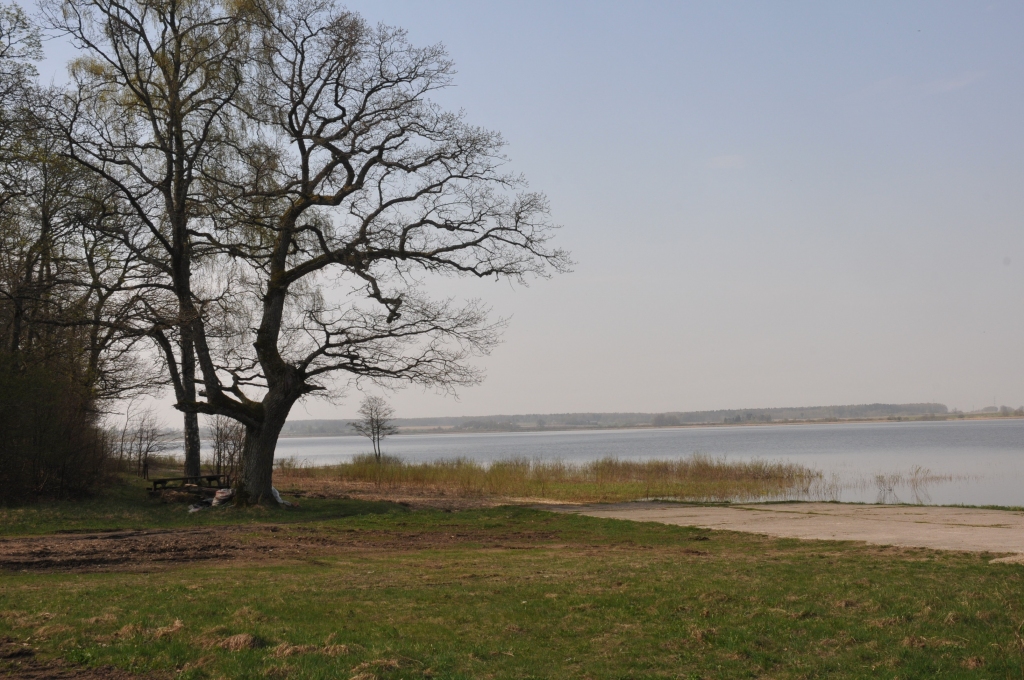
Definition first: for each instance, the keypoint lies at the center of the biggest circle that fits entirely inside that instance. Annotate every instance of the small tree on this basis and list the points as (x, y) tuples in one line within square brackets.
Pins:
[(138, 439), (228, 439), (376, 422)]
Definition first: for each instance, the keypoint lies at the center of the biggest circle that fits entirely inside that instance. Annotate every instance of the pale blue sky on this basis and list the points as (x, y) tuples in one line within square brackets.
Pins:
[(770, 204)]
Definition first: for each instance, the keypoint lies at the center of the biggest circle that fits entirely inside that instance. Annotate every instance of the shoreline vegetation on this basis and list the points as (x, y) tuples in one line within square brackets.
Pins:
[(816, 415), (698, 478)]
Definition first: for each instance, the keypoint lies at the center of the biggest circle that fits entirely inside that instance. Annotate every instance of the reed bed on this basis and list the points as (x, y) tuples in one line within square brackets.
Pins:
[(696, 478)]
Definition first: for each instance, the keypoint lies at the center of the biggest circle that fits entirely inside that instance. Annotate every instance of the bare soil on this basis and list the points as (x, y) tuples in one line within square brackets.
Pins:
[(35, 669)]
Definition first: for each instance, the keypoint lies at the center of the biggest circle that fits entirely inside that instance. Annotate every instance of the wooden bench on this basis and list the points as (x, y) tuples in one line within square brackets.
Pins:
[(207, 481)]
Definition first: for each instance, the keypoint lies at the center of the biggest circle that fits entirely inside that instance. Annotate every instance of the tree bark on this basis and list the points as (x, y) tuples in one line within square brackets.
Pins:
[(256, 477), (193, 445)]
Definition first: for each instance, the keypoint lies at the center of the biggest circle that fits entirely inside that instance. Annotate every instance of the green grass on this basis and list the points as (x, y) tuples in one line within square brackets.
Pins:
[(127, 506), (518, 593)]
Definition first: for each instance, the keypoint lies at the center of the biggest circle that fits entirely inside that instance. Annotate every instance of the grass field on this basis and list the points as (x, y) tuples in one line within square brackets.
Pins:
[(372, 590)]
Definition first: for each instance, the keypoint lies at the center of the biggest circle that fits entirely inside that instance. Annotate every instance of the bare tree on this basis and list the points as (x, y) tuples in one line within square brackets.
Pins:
[(64, 285), (228, 440), (137, 439), (376, 422), (149, 91), (348, 175), (61, 275), (301, 197)]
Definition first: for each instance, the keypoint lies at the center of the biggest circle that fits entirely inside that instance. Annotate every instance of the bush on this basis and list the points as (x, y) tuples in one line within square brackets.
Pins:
[(51, 444)]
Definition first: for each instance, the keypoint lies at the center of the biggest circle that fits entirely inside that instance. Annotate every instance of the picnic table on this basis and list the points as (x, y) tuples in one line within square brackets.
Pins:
[(207, 481)]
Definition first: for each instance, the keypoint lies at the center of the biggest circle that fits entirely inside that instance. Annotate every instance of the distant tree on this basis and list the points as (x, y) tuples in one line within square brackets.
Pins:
[(228, 440), (376, 422), (665, 420), (137, 440)]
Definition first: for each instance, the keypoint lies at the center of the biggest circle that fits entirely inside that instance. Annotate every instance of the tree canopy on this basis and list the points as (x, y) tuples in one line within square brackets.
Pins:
[(292, 192)]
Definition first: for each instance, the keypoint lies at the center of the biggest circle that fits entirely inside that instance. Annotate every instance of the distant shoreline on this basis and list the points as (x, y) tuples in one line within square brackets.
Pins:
[(597, 428)]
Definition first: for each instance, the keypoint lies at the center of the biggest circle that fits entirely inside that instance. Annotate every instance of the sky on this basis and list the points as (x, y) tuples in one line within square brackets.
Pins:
[(768, 203)]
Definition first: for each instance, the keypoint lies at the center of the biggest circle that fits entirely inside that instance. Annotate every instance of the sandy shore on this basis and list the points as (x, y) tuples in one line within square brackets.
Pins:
[(941, 528)]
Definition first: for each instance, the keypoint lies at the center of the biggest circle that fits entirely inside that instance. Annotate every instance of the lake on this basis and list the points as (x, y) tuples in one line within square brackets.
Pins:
[(978, 462)]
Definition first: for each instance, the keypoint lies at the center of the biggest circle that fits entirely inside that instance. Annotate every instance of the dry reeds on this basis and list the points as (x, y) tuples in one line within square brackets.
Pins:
[(916, 482), (698, 478)]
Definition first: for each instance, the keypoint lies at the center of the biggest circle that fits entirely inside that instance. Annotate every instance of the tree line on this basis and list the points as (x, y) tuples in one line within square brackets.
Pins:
[(246, 203)]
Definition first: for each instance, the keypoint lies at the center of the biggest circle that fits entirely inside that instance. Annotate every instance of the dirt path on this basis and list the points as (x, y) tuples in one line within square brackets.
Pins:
[(998, 531)]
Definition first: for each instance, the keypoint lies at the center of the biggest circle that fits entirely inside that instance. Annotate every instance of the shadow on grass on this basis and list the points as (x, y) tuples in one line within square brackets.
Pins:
[(128, 505)]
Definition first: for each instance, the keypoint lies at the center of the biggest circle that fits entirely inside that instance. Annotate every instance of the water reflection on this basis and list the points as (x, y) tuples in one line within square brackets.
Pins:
[(913, 487), (890, 488)]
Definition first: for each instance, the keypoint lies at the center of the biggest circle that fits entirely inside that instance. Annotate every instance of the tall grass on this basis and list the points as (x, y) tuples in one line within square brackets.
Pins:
[(699, 477)]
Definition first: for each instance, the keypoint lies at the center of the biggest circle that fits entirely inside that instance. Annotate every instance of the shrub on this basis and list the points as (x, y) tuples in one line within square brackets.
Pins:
[(51, 444)]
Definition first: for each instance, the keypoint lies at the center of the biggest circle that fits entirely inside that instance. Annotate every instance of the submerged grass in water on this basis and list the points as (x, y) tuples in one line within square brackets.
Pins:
[(697, 478)]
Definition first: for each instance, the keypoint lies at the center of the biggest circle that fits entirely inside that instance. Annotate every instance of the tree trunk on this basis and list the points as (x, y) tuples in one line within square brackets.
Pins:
[(257, 473), (193, 444)]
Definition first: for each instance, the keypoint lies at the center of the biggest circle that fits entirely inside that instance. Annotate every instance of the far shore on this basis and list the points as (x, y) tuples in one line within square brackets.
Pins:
[(611, 428)]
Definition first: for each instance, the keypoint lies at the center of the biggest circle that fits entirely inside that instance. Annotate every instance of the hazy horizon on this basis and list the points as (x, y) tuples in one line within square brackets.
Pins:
[(768, 204)]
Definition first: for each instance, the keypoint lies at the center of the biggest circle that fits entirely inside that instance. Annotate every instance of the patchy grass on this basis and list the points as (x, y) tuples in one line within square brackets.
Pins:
[(128, 506), (518, 593), (697, 478)]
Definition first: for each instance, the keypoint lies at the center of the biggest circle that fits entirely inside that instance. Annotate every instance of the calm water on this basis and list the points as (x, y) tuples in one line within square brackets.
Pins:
[(972, 462)]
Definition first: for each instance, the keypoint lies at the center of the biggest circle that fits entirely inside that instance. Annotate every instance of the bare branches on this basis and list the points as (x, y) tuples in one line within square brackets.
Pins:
[(348, 173), (375, 422), (66, 285), (292, 189), (147, 115)]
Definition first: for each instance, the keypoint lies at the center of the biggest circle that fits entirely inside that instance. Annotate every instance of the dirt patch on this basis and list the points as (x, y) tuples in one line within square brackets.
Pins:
[(97, 551), (37, 669), (147, 549)]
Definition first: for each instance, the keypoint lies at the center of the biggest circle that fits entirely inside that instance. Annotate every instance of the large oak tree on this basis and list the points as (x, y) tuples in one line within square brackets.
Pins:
[(303, 193)]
